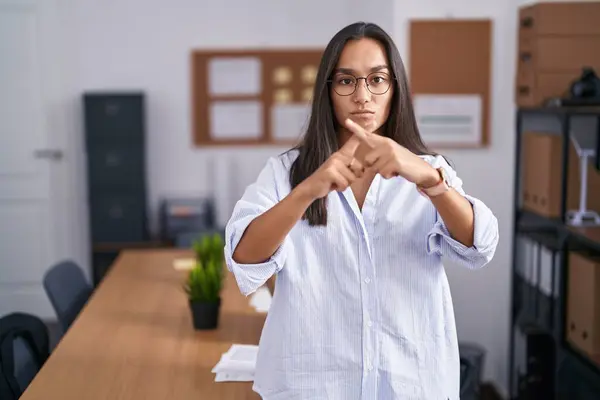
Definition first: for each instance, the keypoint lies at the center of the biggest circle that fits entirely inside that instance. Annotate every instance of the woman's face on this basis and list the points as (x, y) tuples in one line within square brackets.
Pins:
[(369, 107)]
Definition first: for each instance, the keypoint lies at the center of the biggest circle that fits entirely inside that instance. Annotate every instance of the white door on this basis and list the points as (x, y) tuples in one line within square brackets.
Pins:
[(32, 154)]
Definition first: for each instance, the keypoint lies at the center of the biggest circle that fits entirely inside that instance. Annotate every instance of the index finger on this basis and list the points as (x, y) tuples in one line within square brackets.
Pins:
[(359, 133), (351, 145)]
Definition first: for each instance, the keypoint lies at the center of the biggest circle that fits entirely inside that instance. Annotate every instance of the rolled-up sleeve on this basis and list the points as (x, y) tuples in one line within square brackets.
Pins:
[(258, 197), (485, 238)]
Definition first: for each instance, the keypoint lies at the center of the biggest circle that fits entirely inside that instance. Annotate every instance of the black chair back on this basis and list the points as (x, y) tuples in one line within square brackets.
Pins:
[(24, 348), (68, 291)]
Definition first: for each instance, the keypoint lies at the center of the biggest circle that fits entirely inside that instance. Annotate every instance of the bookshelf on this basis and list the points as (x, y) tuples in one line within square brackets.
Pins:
[(542, 245)]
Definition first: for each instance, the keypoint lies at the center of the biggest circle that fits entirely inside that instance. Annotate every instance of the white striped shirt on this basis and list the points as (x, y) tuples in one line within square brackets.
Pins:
[(362, 307)]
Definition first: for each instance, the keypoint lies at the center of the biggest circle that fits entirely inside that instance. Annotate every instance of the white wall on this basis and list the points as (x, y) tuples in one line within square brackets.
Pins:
[(482, 298), (145, 44)]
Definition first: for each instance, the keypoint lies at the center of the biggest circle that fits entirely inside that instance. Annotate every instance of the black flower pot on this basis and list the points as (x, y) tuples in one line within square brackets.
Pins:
[(205, 315)]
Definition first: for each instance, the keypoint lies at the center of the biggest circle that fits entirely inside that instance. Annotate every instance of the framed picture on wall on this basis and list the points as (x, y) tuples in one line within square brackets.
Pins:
[(250, 97)]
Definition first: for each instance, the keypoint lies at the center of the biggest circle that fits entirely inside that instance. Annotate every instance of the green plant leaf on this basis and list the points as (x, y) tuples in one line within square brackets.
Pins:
[(205, 281)]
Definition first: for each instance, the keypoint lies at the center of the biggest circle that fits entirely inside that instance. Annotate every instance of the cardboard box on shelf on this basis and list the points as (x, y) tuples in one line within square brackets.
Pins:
[(542, 176), (583, 304)]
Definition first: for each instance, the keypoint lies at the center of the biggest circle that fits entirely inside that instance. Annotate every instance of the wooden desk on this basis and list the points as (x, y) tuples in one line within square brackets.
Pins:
[(135, 340)]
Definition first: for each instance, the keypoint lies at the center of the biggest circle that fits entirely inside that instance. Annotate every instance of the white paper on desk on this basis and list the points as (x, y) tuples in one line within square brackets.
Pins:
[(449, 119), (288, 121), (236, 119), (234, 76), (242, 353), (239, 358), (234, 377), (184, 264)]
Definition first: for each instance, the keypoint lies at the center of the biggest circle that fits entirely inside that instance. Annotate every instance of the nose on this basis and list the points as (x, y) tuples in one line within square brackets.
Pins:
[(362, 94)]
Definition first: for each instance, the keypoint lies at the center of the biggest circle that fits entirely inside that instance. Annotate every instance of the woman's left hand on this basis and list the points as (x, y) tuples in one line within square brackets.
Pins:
[(390, 159)]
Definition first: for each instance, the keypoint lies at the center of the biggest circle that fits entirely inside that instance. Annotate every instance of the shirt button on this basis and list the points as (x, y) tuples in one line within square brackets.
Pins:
[(369, 324), (367, 280), (370, 367)]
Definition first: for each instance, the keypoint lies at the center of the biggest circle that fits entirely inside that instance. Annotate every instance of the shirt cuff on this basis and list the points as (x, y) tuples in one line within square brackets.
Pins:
[(250, 277), (485, 238)]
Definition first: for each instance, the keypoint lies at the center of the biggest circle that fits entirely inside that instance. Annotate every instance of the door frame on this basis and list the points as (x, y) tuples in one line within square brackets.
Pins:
[(67, 229)]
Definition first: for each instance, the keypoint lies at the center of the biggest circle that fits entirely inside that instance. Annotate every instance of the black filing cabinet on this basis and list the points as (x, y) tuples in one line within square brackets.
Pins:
[(116, 172)]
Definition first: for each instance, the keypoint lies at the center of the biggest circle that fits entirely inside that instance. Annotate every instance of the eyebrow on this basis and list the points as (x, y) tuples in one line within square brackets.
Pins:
[(351, 71)]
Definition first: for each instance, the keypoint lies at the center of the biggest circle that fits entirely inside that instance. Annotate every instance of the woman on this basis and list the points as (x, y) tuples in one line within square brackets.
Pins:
[(353, 223)]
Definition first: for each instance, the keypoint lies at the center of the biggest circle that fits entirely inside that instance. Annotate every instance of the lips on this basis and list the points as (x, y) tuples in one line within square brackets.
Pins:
[(363, 115)]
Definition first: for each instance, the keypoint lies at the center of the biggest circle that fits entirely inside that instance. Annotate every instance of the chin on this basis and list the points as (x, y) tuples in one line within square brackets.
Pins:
[(370, 126), (374, 127)]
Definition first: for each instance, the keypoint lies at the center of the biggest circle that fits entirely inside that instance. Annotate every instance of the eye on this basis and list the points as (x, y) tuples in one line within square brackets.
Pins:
[(378, 79), (345, 80)]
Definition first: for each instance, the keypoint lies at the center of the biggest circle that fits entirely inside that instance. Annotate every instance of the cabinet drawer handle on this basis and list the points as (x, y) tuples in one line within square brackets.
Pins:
[(525, 56), (112, 159), (116, 212), (523, 90), (527, 22), (112, 109)]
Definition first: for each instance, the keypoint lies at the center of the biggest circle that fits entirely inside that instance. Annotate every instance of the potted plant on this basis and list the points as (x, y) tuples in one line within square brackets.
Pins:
[(205, 281)]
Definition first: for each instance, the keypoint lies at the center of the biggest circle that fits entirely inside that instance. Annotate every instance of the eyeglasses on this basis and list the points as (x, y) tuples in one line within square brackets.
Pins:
[(377, 83)]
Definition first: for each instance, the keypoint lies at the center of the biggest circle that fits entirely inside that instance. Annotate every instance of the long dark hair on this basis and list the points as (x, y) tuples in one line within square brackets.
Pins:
[(320, 140)]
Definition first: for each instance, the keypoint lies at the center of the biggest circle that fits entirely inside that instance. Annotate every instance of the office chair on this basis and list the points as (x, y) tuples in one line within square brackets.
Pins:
[(24, 348), (67, 290)]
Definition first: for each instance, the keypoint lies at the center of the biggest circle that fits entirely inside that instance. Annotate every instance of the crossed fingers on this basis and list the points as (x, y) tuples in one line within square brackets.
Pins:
[(360, 136)]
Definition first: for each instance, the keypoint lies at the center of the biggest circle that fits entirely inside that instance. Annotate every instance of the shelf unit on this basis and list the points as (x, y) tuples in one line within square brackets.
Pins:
[(539, 305)]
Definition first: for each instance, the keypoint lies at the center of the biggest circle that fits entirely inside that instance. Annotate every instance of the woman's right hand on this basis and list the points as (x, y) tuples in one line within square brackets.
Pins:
[(337, 173)]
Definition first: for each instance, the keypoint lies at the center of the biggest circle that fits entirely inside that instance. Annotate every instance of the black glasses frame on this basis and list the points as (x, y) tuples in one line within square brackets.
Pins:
[(358, 78)]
